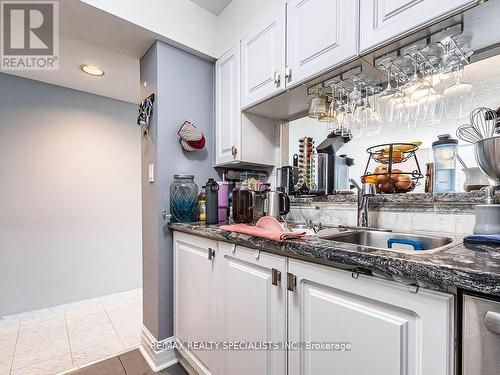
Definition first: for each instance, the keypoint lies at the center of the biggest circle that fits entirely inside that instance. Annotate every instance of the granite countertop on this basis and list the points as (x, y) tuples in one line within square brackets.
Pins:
[(474, 268)]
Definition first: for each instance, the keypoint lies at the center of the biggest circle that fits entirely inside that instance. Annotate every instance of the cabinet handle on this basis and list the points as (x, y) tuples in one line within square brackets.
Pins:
[(234, 150), (291, 281), (211, 254), (277, 78), (275, 277), (288, 72)]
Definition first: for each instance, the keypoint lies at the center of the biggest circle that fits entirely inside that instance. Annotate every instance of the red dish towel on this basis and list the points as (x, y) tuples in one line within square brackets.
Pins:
[(259, 232)]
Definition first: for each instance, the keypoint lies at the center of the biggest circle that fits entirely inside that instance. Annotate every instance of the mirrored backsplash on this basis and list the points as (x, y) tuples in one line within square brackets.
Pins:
[(483, 76)]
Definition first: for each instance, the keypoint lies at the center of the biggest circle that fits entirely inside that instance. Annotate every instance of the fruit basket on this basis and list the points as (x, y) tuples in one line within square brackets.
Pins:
[(387, 178)]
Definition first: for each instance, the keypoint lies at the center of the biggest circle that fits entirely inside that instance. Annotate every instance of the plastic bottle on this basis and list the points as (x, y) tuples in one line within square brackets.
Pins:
[(202, 209)]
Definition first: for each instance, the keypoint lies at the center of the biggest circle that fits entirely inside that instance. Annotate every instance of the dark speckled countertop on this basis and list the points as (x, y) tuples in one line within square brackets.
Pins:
[(474, 268)]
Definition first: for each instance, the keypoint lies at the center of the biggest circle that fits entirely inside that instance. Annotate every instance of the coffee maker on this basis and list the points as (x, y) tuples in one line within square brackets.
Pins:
[(337, 174)]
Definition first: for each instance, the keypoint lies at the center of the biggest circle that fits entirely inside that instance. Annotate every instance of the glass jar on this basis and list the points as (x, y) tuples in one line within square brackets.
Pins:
[(184, 199), (243, 204)]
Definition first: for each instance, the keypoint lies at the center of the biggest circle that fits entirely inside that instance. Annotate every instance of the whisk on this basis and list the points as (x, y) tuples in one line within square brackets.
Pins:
[(468, 133), (484, 120)]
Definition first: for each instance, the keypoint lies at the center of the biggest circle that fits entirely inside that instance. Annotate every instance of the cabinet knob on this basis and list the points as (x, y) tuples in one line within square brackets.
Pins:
[(211, 254), (277, 78), (288, 72), (234, 151)]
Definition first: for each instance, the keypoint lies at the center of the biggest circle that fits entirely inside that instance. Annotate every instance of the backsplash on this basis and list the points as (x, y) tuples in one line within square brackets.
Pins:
[(332, 214)]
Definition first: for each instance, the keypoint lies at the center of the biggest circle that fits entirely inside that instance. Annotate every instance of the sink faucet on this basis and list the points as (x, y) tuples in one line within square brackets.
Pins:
[(364, 193)]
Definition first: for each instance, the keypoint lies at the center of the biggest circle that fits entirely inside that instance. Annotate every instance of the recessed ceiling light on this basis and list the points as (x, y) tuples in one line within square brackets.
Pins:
[(92, 70)]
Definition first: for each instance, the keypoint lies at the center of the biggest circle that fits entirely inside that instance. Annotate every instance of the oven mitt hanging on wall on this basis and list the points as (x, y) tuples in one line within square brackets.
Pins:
[(192, 138)]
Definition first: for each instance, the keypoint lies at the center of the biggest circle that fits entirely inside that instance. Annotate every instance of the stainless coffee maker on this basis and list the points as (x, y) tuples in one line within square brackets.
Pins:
[(276, 204)]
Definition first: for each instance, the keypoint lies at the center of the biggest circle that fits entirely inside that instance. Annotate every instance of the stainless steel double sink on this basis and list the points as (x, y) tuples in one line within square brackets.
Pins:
[(400, 242)]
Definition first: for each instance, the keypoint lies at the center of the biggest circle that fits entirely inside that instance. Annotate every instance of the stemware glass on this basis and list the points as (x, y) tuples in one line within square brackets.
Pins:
[(370, 116), (317, 106), (458, 97), (399, 105), (388, 92), (421, 93), (330, 114)]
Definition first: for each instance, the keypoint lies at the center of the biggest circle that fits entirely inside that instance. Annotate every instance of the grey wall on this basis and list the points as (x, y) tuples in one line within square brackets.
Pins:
[(184, 88), (69, 195)]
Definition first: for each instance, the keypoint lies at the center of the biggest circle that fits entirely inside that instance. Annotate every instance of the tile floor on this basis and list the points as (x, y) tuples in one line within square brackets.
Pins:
[(130, 363), (60, 338)]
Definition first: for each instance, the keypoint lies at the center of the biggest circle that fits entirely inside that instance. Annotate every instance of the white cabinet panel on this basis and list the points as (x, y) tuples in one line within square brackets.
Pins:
[(227, 111), (195, 298), (391, 330), (254, 310), (385, 20), (321, 34), (263, 63)]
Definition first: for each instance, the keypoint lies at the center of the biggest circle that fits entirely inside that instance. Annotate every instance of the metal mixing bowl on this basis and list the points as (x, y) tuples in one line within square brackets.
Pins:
[(488, 157)]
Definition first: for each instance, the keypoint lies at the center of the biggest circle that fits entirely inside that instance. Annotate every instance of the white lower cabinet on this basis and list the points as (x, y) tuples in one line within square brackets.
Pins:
[(196, 298), (391, 330), (241, 295), (254, 310)]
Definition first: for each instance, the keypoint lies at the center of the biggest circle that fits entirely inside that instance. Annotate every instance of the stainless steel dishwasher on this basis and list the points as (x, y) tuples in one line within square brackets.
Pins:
[(481, 336)]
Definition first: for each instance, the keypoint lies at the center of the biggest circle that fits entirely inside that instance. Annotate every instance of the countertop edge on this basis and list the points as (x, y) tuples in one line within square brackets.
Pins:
[(435, 272)]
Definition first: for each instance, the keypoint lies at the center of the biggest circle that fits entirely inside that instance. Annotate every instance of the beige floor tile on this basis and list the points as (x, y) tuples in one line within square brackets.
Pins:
[(48, 367), (39, 342), (8, 338), (92, 329), (97, 351)]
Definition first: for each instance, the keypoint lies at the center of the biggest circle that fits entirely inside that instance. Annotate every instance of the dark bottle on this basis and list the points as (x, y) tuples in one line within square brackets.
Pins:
[(212, 201), (243, 204)]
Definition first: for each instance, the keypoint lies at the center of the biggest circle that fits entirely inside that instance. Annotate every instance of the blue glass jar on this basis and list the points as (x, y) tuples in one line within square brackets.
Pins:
[(184, 199)]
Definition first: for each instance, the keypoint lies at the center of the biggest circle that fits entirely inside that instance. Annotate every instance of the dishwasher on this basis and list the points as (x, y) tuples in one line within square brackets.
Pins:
[(480, 336)]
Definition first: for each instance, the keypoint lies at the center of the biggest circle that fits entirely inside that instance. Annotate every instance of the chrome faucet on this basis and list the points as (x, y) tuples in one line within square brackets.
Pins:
[(364, 193)]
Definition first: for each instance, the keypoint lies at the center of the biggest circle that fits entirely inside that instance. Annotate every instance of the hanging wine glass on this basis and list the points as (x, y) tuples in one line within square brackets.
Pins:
[(458, 97), (399, 105), (330, 114), (388, 92), (317, 105), (421, 93), (372, 123)]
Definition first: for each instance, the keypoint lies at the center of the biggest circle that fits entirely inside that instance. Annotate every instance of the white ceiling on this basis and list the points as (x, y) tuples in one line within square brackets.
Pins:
[(91, 36), (214, 6)]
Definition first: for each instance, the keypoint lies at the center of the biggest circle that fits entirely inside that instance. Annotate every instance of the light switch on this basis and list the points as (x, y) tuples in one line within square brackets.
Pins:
[(151, 173)]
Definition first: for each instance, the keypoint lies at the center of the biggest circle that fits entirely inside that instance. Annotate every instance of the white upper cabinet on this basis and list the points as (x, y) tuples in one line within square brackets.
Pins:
[(385, 20), (391, 330), (227, 112), (263, 63), (321, 34)]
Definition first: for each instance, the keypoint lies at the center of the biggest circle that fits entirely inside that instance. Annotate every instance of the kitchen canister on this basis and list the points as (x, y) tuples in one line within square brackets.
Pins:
[(487, 219), (184, 199), (212, 201)]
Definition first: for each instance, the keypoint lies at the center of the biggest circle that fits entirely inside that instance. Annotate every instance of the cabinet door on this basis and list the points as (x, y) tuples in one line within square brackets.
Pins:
[(227, 110), (254, 310), (195, 298), (391, 330), (263, 63), (385, 20), (321, 34)]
